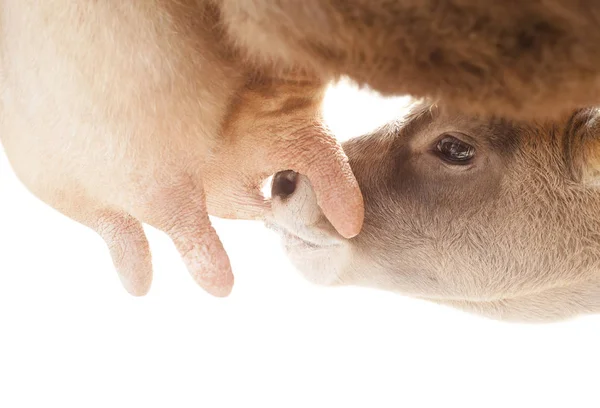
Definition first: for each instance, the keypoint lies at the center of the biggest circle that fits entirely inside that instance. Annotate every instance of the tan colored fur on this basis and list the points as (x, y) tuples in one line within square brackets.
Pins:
[(118, 113), (514, 235)]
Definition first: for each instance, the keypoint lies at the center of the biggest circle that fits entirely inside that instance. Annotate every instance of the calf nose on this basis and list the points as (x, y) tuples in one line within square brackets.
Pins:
[(294, 200), (284, 184)]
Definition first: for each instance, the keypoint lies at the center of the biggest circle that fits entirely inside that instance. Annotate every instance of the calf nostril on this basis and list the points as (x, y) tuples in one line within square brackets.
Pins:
[(284, 184)]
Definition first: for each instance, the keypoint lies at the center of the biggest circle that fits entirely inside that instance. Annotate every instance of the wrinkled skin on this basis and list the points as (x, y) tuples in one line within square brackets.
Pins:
[(512, 234), (289, 108), (114, 114), (118, 114)]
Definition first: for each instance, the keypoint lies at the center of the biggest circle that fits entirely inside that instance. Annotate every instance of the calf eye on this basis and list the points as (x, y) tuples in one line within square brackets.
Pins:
[(455, 151)]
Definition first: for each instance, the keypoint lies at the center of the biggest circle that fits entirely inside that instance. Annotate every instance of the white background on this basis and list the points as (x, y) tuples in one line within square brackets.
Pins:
[(70, 336)]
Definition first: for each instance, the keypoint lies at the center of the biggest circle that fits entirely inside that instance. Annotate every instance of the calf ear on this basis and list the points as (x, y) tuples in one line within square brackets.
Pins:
[(582, 142)]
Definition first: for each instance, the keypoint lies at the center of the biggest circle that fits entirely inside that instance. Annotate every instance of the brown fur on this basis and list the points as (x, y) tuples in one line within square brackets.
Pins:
[(513, 235), (513, 58), (146, 111)]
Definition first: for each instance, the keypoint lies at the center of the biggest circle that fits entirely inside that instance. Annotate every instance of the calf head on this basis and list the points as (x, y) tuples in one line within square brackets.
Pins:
[(496, 217)]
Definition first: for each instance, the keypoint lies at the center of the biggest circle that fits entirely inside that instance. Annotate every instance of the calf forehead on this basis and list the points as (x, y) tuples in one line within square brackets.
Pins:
[(398, 192)]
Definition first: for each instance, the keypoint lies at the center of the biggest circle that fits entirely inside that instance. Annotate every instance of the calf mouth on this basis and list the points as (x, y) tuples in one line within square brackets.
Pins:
[(293, 240), (296, 217)]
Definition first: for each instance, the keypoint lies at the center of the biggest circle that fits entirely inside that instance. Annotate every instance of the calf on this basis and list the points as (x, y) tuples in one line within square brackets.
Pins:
[(487, 215)]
